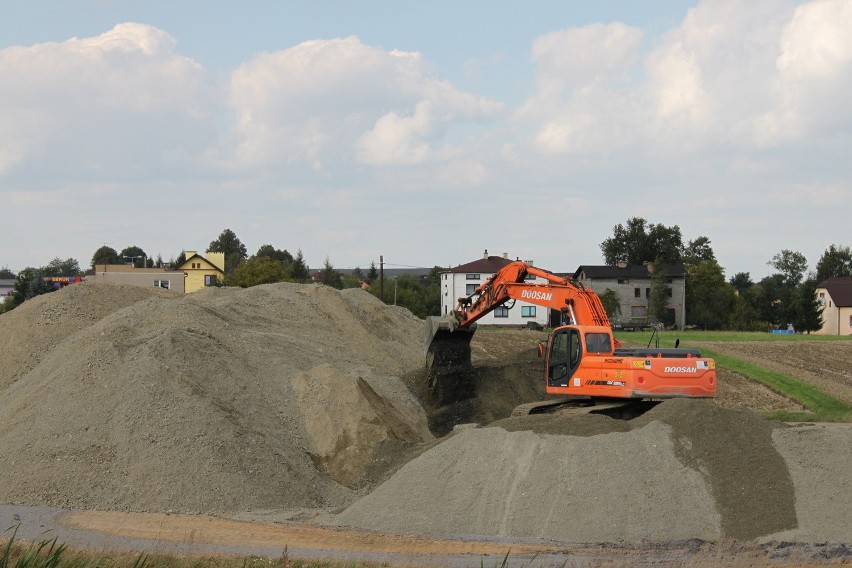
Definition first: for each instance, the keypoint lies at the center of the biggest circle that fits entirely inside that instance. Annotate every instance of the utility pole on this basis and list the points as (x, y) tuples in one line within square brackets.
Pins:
[(382, 277)]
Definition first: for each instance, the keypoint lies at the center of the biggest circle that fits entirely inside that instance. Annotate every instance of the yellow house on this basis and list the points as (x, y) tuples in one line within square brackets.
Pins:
[(202, 271)]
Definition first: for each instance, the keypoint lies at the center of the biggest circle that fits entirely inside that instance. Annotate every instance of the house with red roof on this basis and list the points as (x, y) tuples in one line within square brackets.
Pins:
[(463, 280)]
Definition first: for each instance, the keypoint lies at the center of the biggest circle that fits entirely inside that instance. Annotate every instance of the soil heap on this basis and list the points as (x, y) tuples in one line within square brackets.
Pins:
[(274, 397), (685, 469), (281, 400)]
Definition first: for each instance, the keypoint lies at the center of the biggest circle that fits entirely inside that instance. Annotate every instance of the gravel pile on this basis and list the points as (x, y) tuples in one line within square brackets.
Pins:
[(685, 469), (284, 400), (198, 403)]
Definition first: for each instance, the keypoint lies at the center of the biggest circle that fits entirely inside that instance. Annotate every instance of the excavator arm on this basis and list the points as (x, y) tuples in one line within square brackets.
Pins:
[(582, 306)]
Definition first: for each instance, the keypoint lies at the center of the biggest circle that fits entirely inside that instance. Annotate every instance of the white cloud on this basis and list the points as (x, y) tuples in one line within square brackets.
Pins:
[(814, 72), (330, 102), (120, 102)]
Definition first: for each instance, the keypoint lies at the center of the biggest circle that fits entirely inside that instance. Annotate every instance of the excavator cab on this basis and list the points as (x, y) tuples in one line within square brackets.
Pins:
[(567, 347)]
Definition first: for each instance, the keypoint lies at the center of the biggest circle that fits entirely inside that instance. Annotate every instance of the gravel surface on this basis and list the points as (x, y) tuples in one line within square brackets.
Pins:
[(291, 401), (197, 403)]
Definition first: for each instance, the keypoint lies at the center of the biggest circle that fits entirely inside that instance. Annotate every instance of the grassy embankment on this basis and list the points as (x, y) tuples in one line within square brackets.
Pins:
[(821, 406)]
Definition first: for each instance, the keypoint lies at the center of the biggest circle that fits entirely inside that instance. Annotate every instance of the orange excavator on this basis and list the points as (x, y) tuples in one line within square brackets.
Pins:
[(582, 358)]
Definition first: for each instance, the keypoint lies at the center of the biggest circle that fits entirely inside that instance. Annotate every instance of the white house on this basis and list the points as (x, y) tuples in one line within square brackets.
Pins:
[(461, 281), (7, 288), (835, 297)]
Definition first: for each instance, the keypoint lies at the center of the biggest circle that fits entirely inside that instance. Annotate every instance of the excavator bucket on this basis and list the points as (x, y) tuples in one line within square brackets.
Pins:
[(448, 364)]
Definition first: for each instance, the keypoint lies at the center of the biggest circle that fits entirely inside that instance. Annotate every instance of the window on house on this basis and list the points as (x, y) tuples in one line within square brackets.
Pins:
[(501, 312), (623, 281), (669, 292), (527, 311), (647, 292), (638, 311), (472, 276), (162, 284), (637, 292), (668, 280), (209, 279), (470, 289)]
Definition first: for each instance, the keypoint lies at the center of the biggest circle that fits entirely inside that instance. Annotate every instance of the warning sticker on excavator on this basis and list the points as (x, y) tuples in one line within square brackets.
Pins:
[(638, 364), (619, 374)]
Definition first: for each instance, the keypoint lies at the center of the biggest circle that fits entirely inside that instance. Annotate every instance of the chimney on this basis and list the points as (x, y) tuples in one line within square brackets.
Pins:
[(506, 256), (621, 264), (485, 254)]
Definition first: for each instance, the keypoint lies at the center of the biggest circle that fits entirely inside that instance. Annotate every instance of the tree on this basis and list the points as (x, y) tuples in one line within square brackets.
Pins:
[(611, 303), (741, 281), (709, 299), (299, 269), (329, 276), (407, 291), (135, 255), (60, 267), (835, 261), (372, 274), (744, 316), (698, 250), (640, 242), (791, 265), (268, 251), (235, 251), (7, 274), (768, 299), (806, 311), (105, 255), (659, 300), (181, 258), (256, 271)]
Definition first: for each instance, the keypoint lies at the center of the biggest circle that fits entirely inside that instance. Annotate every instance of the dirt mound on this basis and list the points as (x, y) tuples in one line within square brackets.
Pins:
[(29, 331), (684, 469), (506, 372), (283, 399), (199, 402)]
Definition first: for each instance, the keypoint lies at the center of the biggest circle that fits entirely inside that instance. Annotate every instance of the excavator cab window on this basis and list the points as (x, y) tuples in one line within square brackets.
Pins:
[(564, 356), (598, 343)]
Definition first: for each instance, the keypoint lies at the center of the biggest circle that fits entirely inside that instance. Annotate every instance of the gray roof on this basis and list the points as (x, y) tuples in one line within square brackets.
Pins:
[(840, 289), (629, 271), (489, 265)]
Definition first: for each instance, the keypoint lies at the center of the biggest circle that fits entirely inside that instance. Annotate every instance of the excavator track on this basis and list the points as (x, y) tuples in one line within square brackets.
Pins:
[(574, 406)]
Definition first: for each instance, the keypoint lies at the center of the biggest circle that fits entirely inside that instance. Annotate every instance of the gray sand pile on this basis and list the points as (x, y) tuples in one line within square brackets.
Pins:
[(275, 397), (283, 399), (685, 469)]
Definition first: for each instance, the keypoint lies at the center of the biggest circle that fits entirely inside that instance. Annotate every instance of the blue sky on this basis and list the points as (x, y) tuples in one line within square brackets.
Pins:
[(424, 132)]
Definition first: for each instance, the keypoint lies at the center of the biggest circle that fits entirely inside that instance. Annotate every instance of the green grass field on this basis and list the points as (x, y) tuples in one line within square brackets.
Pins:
[(821, 406)]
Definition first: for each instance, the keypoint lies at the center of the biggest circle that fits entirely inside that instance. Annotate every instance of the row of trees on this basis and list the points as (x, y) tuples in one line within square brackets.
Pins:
[(786, 297), (712, 302)]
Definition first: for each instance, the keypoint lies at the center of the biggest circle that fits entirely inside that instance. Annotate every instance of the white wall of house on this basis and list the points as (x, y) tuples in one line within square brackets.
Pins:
[(459, 285), (835, 320)]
